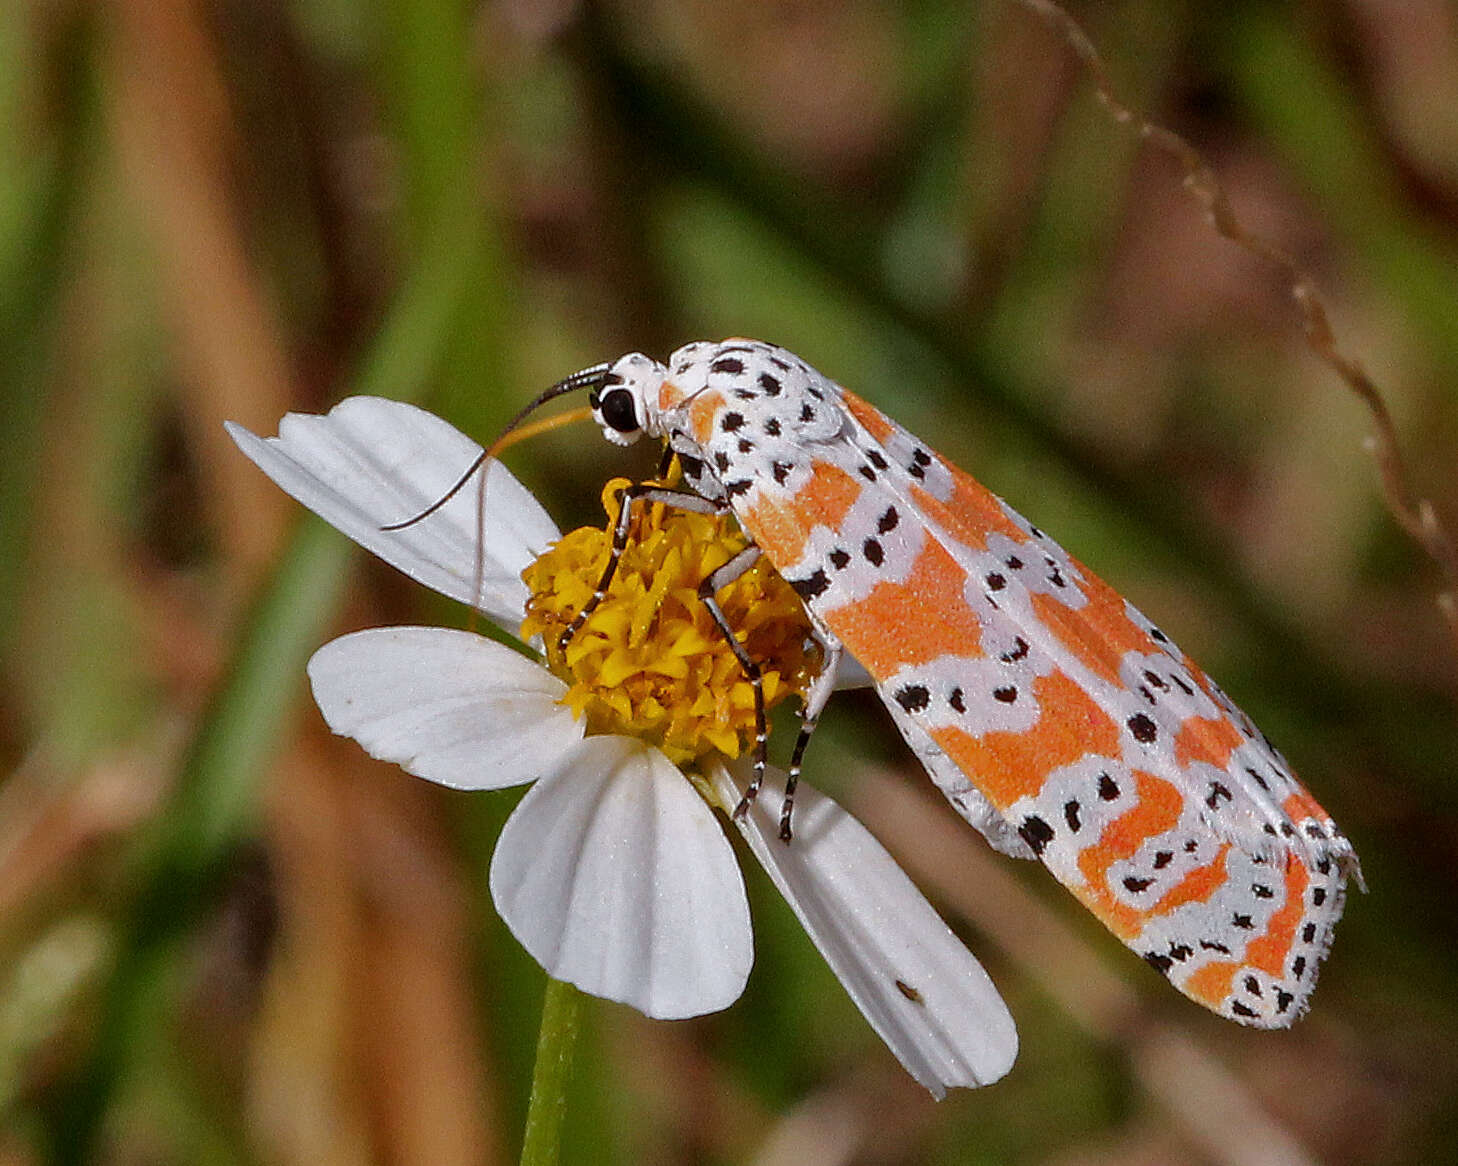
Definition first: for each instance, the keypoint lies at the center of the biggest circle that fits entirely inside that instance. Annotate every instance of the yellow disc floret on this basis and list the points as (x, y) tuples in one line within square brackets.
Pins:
[(650, 661)]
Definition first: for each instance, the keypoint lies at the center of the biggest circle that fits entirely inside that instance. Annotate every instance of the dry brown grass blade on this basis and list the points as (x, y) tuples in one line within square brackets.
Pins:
[(175, 135), (307, 1102), (416, 1017), (1414, 514), (49, 827), (370, 1017)]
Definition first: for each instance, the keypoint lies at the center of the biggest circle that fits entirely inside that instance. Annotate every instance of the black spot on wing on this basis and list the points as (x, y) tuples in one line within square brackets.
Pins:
[(1143, 728), (1017, 652), (1036, 833), (812, 585), (913, 697)]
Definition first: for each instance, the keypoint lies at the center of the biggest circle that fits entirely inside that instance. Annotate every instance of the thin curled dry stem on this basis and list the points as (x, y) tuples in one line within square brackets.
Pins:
[(1415, 515)]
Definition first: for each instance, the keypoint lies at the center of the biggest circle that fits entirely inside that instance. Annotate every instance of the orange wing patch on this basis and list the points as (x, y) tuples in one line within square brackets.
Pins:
[(1011, 766), (1210, 985), (782, 527), (970, 515), (872, 419), (703, 413), (901, 625), (1099, 633), (1206, 739), (1269, 951), (1197, 886), (1156, 812)]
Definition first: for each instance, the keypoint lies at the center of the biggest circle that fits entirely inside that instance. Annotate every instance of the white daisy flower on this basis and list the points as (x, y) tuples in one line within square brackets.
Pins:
[(613, 871)]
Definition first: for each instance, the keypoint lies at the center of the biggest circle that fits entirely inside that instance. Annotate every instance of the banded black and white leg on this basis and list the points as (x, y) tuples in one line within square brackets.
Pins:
[(642, 492), (821, 687), (708, 590), (815, 700)]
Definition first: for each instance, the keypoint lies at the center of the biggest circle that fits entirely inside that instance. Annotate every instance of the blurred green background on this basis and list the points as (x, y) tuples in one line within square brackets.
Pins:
[(226, 937)]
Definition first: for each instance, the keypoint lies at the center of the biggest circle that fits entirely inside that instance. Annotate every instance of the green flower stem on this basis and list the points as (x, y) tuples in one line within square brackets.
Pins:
[(547, 1106)]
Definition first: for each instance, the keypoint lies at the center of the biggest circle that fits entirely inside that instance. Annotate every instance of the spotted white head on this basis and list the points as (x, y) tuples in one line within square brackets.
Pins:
[(626, 403)]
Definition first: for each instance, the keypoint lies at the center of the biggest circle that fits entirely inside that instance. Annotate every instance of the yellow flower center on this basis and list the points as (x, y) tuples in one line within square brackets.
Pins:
[(650, 661)]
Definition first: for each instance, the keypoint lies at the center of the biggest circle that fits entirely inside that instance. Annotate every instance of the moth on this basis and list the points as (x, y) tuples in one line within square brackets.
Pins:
[(1056, 718)]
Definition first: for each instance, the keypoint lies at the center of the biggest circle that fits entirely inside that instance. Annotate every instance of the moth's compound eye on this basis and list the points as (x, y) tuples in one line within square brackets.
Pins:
[(618, 410)]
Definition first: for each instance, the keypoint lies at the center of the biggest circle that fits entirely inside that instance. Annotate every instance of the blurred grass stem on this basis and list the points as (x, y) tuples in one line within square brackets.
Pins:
[(541, 1142)]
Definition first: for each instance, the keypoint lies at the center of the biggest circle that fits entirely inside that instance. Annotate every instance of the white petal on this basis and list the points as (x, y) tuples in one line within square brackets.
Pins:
[(372, 461), (615, 874), (916, 983), (449, 706)]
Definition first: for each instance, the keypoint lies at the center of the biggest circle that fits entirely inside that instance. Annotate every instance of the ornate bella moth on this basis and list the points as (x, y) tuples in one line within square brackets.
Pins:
[(1054, 716)]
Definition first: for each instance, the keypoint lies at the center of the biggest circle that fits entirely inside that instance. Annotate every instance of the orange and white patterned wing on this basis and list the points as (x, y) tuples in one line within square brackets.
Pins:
[(1056, 717)]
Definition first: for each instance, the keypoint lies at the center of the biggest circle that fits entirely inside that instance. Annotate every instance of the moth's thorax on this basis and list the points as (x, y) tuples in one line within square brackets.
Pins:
[(745, 416)]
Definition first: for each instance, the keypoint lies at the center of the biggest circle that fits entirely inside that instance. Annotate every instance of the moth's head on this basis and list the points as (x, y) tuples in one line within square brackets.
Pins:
[(624, 402)]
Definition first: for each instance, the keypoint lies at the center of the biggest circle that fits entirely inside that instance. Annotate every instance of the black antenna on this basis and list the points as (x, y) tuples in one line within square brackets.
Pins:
[(588, 378)]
